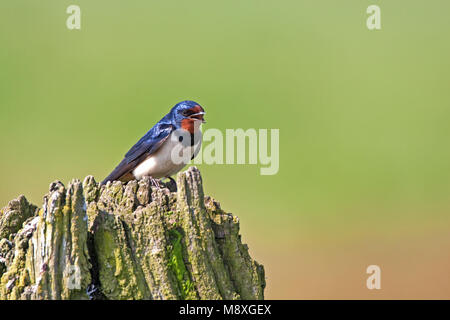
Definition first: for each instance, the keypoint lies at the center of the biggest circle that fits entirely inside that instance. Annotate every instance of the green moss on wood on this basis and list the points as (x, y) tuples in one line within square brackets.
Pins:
[(176, 263), (131, 241), (14, 215)]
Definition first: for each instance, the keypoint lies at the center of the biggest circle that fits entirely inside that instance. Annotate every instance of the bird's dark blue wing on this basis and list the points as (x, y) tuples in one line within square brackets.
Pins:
[(150, 142), (146, 146)]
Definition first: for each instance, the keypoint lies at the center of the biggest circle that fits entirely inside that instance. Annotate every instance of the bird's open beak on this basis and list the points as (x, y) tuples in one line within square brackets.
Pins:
[(198, 116)]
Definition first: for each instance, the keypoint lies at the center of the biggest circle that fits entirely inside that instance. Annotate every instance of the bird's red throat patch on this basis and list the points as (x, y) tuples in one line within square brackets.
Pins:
[(188, 124)]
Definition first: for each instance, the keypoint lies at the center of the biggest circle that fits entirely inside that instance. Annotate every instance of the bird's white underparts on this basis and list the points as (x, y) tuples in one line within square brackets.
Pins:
[(172, 156)]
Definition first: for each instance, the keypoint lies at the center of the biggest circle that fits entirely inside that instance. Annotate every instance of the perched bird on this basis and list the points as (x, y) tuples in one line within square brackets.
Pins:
[(166, 148)]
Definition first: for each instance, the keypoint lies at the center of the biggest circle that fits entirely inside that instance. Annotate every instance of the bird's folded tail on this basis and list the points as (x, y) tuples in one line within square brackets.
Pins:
[(123, 172)]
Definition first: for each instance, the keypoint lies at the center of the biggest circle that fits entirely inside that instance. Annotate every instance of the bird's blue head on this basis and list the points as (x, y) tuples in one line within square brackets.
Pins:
[(187, 115)]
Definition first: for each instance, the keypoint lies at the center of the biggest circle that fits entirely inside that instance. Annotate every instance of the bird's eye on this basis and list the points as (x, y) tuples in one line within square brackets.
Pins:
[(186, 112)]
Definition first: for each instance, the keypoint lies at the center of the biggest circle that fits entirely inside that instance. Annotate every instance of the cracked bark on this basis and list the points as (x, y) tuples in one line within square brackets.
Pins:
[(130, 241)]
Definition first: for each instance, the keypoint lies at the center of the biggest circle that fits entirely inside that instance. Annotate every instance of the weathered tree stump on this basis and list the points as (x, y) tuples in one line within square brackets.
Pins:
[(130, 241)]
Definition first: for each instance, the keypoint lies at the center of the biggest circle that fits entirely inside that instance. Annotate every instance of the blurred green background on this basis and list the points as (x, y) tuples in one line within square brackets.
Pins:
[(363, 116)]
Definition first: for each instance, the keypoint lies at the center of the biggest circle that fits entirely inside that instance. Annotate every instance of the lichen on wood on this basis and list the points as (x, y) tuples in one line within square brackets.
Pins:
[(125, 241)]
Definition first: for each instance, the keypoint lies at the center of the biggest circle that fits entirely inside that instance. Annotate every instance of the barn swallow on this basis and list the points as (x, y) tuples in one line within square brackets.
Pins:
[(153, 154)]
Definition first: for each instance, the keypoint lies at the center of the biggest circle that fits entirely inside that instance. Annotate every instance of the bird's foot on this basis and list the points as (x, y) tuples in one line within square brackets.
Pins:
[(155, 182), (171, 184)]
